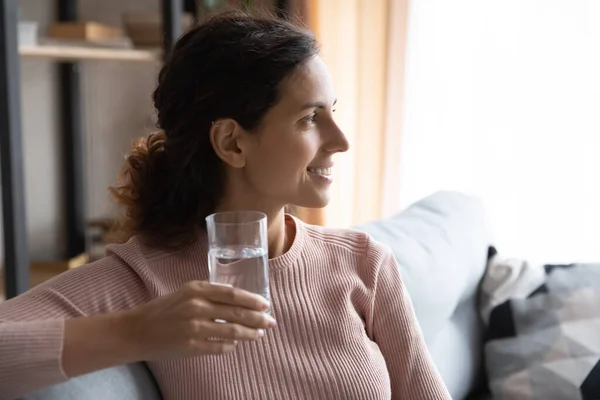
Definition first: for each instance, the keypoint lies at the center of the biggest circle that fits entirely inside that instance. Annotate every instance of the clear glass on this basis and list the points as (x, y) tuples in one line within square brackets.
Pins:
[(238, 252)]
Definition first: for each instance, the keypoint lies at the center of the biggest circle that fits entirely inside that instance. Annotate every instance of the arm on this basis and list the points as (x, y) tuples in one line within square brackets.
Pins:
[(48, 335), (100, 315), (396, 331)]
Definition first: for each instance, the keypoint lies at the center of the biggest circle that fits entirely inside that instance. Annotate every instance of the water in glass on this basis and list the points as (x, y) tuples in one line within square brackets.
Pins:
[(240, 266)]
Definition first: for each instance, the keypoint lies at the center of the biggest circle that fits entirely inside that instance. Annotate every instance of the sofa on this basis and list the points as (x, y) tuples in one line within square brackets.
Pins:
[(441, 245)]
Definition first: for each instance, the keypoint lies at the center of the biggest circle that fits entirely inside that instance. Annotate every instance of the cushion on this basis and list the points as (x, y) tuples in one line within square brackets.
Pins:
[(545, 344), (127, 382), (441, 245)]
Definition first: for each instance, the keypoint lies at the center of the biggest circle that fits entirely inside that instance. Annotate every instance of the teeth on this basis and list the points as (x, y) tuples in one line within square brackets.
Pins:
[(320, 171)]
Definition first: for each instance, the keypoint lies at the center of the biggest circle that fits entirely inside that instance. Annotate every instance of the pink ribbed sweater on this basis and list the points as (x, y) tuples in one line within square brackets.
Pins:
[(346, 328)]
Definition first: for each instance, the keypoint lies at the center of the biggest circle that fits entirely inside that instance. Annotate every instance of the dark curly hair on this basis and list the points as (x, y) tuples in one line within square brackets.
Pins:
[(230, 66)]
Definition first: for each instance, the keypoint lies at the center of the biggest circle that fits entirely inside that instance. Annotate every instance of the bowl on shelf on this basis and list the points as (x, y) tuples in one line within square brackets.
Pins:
[(145, 28), (27, 33)]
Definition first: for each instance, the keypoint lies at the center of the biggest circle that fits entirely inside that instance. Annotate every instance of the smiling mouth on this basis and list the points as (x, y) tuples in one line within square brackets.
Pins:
[(320, 171)]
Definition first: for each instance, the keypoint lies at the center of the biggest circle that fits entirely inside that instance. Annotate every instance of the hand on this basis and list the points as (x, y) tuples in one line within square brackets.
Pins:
[(182, 324)]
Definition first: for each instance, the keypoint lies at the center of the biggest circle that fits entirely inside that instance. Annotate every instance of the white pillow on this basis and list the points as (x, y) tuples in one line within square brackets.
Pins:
[(441, 246)]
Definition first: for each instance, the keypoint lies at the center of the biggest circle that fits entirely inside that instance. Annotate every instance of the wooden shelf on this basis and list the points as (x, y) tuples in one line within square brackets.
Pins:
[(78, 53)]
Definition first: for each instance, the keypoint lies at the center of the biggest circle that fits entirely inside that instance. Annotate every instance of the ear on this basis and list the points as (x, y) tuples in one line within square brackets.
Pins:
[(226, 136)]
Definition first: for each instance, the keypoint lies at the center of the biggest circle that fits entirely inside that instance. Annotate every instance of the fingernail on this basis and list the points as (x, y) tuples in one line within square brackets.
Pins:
[(266, 305), (261, 333), (270, 321)]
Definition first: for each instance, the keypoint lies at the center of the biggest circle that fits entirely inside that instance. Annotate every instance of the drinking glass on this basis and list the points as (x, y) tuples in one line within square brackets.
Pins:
[(238, 250)]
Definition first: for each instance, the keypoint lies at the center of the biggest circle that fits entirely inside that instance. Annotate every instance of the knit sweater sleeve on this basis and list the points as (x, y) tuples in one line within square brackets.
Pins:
[(32, 324), (395, 329)]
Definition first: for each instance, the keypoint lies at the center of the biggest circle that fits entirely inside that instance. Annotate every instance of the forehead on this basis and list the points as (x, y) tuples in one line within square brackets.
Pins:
[(309, 83)]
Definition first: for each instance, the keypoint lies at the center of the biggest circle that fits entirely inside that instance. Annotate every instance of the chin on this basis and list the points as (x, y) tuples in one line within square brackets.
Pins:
[(315, 202)]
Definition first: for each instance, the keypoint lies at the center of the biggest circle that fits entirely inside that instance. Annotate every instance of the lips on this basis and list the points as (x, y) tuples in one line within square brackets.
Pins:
[(323, 171)]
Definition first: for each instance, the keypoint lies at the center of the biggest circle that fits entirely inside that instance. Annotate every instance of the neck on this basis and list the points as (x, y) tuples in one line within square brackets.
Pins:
[(240, 196), (279, 239), (280, 236)]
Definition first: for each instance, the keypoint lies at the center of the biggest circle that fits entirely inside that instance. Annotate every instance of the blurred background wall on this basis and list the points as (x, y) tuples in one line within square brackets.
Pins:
[(496, 99)]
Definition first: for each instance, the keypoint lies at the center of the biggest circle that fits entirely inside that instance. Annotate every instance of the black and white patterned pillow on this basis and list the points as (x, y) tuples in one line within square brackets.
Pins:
[(543, 342)]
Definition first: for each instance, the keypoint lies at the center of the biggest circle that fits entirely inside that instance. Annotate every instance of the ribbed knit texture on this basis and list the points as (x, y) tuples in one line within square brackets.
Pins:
[(346, 327)]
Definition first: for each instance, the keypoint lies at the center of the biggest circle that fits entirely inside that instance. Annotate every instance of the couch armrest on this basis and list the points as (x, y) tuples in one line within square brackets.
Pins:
[(127, 382)]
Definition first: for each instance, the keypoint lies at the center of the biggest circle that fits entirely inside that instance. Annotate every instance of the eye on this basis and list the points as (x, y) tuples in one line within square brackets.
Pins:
[(311, 119)]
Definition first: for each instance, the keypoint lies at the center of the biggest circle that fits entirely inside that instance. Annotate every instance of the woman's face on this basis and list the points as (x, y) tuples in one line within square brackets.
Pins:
[(289, 159)]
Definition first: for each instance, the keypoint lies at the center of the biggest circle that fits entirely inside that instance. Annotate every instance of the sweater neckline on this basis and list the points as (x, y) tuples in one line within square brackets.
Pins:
[(200, 249), (289, 257)]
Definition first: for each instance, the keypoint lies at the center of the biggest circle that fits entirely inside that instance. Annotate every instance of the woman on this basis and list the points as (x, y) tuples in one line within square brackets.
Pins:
[(245, 109)]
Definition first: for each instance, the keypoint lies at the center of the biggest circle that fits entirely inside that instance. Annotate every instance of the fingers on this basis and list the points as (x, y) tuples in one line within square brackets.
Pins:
[(215, 347), (231, 296), (239, 315), (230, 332)]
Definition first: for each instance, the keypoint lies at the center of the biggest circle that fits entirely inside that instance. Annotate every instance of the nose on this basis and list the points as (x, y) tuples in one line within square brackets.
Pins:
[(337, 141)]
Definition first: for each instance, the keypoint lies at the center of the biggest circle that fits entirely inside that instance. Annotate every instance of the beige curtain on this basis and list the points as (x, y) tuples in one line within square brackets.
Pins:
[(363, 44), (396, 62)]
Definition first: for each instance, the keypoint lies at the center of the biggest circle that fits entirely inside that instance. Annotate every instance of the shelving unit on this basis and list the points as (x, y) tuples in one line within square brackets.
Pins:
[(16, 258), (81, 53), (16, 255)]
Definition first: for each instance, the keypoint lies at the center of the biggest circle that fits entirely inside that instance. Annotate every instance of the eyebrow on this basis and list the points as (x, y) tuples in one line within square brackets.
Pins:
[(317, 104)]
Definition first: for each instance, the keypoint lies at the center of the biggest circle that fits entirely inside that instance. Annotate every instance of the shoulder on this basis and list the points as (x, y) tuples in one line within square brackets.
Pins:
[(112, 282), (349, 255), (110, 270), (342, 238), (347, 240), (108, 284)]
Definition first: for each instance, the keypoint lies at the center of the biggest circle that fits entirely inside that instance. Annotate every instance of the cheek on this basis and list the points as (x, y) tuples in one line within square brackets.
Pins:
[(278, 168)]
